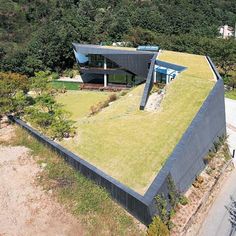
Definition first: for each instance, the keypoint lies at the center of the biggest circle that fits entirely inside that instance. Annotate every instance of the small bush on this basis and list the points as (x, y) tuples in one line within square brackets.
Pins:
[(161, 204), (68, 73), (112, 97), (217, 146), (97, 108), (209, 171), (208, 158), (197, 183), (183, 200), (93, 110), (123, 92), (200, 179), (104, 104), (157, 228), (155, 89), (55, 76)]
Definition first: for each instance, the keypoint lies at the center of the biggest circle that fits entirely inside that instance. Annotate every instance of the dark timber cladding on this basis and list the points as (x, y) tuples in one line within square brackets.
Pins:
[(137, 62)]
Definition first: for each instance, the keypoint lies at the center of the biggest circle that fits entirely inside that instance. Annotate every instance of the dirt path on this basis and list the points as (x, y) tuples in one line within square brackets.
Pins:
[(25, 208)]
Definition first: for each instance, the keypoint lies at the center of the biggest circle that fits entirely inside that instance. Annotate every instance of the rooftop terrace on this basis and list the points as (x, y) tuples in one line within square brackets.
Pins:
[(132, 145)]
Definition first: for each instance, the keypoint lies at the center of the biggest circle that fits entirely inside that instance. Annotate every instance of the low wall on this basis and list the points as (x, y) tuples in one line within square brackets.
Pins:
[(183, 165), (129, 199), (149, 84)]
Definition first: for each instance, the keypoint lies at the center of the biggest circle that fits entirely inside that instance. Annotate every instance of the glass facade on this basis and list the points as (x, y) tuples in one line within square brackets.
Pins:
[(127, 79), (97, 61), (123, 77)]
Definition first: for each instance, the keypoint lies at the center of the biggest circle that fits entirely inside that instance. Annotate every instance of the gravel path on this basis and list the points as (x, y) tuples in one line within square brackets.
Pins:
[(25, 208), (154, 102)]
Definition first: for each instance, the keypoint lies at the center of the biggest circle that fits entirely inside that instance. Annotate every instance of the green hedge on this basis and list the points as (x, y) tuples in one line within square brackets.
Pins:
[(67, 85)]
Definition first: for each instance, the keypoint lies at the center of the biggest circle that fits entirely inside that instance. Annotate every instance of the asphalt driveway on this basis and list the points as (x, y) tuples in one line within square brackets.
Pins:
[(230, 109), (217, 221)]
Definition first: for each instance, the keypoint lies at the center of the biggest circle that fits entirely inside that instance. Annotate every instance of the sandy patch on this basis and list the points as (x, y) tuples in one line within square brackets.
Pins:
[(25, 208)]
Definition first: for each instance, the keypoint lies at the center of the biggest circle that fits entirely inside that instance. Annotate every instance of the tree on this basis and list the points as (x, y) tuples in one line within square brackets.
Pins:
[(231, 80), (13, 89), (139, 36), (37, 35), (225, 56), (46, 114), (41, 82)]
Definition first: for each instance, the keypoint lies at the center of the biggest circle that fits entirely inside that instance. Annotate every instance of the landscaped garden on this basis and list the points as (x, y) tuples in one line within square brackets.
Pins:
[(132, 145)]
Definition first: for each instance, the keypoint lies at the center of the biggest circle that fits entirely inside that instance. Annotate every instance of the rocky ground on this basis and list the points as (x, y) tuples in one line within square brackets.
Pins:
[(154, 101)]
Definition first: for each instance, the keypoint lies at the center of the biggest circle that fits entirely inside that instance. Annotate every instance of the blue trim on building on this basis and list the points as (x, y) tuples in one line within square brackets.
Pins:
[(170, 66)]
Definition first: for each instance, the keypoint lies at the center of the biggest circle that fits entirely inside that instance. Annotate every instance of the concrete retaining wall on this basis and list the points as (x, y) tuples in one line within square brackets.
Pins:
[(187, 160)]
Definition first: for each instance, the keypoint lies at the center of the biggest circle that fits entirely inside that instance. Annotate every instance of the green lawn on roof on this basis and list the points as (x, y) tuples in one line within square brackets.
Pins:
[(132, 145), (78, 103)]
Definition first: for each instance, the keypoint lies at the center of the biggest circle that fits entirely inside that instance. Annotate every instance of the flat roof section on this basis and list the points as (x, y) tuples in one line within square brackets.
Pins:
[(99, 49), (132, 145)]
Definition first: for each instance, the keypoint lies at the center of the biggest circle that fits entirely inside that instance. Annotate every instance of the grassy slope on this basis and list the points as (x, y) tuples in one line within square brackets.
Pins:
[(79, 102), (132, 145), (92, 204)]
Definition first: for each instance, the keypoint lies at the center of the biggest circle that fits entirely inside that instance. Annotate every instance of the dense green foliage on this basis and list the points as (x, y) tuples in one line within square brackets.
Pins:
[(47, 114), (13, 88), (41, 109), (38, 35)]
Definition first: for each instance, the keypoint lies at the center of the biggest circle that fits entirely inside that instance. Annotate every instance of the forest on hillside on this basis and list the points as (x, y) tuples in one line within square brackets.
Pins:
[(38, 35)]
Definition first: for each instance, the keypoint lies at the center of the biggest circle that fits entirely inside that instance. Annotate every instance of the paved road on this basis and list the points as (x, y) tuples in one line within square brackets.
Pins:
[(230, 109), (217, 221)]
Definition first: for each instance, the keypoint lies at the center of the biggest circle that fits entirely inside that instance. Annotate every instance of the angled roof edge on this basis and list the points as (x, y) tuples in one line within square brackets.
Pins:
[(98, 49), (171, 66)]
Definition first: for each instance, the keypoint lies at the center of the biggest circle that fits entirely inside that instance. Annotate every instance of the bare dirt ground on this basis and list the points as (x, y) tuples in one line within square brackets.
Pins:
[(25, 208)]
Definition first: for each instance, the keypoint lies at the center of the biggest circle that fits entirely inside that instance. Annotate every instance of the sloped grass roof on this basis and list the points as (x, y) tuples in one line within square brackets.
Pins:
[(132, 145)]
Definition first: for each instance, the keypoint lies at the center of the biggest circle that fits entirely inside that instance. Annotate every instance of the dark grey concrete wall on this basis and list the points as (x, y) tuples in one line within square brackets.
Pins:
[(199, 138), (187, 159), (149, 83)]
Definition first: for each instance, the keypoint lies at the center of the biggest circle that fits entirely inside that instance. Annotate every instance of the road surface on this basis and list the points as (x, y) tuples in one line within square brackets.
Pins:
[(230, 109), (217, 221)]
